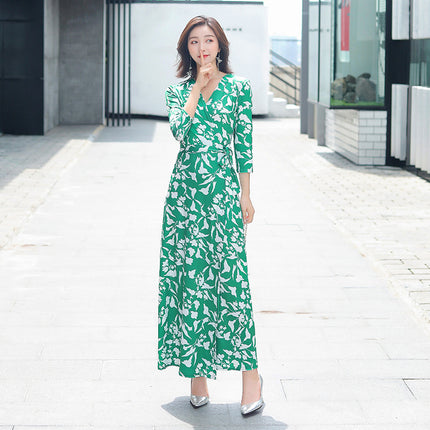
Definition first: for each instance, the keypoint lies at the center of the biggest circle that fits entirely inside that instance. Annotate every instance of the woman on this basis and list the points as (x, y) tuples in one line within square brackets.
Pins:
[(205, 312)]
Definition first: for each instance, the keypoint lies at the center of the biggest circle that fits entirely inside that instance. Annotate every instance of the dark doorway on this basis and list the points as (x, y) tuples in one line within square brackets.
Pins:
[(21, 66)]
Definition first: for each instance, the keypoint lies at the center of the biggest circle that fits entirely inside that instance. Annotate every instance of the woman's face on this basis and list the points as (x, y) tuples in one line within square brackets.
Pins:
[(202, 41)]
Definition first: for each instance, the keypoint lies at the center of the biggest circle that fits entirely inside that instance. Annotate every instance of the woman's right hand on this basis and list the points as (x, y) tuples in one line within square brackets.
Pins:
[(206, 72)]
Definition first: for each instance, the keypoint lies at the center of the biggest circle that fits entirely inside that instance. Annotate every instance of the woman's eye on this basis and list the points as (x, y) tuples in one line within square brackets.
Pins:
[(209, 40)]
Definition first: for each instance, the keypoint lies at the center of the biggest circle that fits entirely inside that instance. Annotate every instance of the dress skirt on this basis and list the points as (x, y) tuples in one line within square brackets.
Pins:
[(205, 314)]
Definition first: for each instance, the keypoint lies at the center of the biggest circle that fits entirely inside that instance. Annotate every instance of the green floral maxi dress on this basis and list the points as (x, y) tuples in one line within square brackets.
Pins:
[(205, 315)]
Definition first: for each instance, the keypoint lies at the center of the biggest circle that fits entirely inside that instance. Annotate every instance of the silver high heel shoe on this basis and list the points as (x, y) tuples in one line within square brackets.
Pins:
[(254, 406), (198, 401)]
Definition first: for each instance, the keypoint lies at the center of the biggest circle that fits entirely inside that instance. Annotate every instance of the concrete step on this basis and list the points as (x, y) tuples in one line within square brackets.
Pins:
[(293, 111), (279, 108)]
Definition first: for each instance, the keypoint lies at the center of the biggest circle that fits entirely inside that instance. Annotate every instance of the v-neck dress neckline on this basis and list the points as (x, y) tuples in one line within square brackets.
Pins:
[(206, 103)]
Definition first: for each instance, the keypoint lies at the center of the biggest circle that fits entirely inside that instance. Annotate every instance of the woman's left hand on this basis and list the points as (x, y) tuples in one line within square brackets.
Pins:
[(247, 209)]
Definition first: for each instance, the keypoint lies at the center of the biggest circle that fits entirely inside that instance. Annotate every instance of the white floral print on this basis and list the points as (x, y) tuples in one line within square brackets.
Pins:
[(205, 315)]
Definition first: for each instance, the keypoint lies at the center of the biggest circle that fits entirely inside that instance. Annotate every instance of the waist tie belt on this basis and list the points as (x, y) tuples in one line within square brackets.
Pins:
[(224, 155)]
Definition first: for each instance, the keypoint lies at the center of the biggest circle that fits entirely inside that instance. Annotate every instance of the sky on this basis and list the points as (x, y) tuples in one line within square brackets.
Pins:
[(285, 17)]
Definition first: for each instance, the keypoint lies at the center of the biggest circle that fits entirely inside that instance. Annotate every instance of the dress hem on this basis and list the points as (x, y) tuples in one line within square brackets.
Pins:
[(217, 366)]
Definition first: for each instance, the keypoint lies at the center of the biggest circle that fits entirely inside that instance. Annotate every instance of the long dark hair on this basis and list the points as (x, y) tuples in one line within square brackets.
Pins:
[(183, 69)]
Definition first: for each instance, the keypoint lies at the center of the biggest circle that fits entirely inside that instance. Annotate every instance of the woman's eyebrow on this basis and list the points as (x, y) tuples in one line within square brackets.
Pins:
[(206, 35)]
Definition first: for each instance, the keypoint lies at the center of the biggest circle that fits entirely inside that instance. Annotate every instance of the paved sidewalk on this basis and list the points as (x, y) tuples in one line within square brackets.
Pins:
[(337, 347), (29, 168), (385, 211)]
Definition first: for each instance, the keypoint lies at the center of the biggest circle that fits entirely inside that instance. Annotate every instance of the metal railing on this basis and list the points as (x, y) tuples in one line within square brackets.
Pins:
[(287, 78), (117, 62)]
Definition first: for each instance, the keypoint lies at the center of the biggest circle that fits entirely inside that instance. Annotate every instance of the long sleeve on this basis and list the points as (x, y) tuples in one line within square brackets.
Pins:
[(243, 128), (180, 121)]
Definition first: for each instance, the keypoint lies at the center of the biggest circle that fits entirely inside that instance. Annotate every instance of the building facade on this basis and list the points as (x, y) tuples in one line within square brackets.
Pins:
[(52, 64), (366, 91), (102, 61)]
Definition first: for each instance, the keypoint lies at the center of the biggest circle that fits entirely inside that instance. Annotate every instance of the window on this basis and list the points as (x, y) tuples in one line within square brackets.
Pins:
[(326, 46), (420, 63), (313, 54), (358, 76)]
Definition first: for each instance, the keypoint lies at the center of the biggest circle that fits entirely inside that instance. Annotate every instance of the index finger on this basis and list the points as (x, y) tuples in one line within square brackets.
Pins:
[(202, 58)]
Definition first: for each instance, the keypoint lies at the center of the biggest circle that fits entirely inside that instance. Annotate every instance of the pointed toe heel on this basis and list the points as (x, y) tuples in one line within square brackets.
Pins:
[(250, 408), (198, 401)]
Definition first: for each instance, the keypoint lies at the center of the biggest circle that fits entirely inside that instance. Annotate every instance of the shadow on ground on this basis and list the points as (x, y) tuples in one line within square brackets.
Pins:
[(141, 130), (219, 416), (341, 162), (21, 153)]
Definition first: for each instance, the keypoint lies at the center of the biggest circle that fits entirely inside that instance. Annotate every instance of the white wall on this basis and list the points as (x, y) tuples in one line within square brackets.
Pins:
[(421, 19), (401, 19), (155, 32), (420, 128), (358, 135), (399, 114)]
